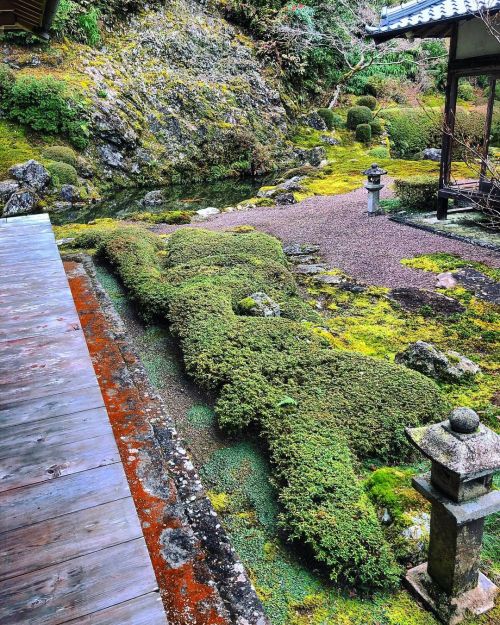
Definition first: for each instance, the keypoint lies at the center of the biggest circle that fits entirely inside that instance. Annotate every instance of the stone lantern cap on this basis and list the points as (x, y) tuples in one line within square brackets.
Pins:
[(374, 170), (461, 444)]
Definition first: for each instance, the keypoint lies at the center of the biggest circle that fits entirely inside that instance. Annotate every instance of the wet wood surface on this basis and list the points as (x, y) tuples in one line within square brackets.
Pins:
[(71, 545)]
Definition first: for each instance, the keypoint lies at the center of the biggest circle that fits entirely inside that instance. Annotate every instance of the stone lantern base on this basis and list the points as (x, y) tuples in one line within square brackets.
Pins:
[(451, 610)]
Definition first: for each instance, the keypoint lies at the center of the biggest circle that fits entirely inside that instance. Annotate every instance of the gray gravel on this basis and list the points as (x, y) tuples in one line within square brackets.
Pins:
[(367, 248)]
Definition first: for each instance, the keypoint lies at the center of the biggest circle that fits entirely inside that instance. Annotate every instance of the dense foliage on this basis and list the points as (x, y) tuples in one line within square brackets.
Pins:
[(417, 192), (317, 408), (43, 104)]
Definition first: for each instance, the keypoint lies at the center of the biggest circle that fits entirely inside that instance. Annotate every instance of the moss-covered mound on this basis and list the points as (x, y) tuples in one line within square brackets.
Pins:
[(318, 409)]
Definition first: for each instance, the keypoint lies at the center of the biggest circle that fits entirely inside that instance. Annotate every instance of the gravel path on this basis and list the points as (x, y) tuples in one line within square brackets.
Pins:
[(367, 248)]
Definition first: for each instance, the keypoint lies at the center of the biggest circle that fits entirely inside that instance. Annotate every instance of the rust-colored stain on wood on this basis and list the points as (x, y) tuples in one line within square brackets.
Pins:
[(187, 595)]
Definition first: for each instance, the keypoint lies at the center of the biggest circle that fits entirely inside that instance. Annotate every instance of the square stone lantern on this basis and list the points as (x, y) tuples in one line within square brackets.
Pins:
[(464, 455), (374, 186)]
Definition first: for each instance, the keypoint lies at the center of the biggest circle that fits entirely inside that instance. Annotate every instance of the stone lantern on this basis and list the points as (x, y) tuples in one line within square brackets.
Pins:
[(373, 186), (464, 454)]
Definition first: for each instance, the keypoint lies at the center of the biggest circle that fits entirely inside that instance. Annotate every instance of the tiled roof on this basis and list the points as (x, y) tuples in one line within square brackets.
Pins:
[(420, 13)]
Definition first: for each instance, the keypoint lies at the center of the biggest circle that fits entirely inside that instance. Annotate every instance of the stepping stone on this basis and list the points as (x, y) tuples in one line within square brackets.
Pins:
[(482, 286), (413, 299)]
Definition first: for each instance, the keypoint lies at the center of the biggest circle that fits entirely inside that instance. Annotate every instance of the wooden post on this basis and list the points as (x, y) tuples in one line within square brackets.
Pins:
[(487, 128), (450, 108)]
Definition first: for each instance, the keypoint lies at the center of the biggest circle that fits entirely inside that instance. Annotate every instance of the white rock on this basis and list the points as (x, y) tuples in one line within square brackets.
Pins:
[(206, 212), (446, 280)]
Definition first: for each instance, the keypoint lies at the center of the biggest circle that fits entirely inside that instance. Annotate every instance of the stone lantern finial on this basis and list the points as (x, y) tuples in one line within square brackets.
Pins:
[(464, 455)]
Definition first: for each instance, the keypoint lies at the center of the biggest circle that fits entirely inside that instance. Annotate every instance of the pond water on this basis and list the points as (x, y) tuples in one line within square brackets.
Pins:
[(186, 197)]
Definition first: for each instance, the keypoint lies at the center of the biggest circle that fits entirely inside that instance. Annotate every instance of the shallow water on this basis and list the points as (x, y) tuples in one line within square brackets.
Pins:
[(186, 197)]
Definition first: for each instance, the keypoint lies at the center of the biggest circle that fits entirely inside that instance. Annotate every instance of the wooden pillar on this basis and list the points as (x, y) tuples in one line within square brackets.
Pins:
[(487, 128), (450, 108)]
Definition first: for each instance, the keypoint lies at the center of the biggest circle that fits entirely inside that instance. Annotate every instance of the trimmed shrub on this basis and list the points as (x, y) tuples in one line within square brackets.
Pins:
[(417, 192), (364, 133), (331, 119), (7, 81), (62, 173), (368, 101), (377, 127), (358, 115), (61, 154), (317, 408)]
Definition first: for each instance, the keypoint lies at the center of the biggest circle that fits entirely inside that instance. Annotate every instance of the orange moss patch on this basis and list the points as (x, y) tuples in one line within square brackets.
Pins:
[(187, 599)]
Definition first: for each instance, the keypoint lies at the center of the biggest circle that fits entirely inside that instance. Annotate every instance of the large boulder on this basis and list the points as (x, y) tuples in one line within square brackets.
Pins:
[(153, 198), (447, 367), (312, 120), (22, 202), (313, 156), (432, 154), (69, 193), (31, 174), (7, 188), (285, 198)]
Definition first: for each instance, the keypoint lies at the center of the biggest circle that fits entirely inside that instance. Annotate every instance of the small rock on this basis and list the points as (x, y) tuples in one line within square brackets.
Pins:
[(446, 281), (313, 120), (31, 174), (207, 212), (297, 260), (313, 156), (260, 305), (413, 299), (420, 528), (386, 517), (64, 241), (21, 202), (329, 140), (427, 359), (310, 270), (7, 188), (111, 157), (292, 184), (432, 154), (153, 198), (284, 199), (59, 207)]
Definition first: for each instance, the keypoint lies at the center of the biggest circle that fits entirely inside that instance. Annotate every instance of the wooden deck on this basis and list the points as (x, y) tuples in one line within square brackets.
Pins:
[(71, 545)]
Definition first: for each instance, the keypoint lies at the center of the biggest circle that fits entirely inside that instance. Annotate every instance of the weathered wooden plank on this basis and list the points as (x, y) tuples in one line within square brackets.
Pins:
[(56, 431), (42, 365), (49, 461), (78, 587), (55, 405), (66, 494), (145, 610), (34, 547), (33, 318)]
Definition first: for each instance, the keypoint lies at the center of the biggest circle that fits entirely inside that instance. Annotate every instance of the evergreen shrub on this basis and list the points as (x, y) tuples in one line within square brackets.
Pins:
[(417, 193), (377, 127), (358, 115), (364, 133), (332, 120), (367, 100)]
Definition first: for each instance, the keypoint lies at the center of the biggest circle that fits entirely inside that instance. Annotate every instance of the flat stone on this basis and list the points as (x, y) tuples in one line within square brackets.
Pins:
[(451, 610), (309, 270), (296, 249), (481, 285), (413, 299), (297, 260), (260, 305), (285, 199), (325, 278)]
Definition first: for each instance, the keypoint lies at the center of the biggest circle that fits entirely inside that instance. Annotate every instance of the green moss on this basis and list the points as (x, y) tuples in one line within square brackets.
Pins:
[(278, 374), (201, 416), (166, 217), (61, 154), (442, 261), (15, 147)]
